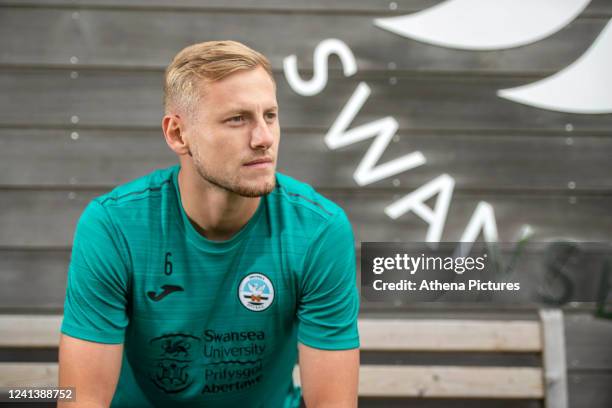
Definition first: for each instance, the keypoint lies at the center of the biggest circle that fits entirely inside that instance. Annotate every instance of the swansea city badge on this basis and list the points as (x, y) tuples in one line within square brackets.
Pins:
[(256, 292)]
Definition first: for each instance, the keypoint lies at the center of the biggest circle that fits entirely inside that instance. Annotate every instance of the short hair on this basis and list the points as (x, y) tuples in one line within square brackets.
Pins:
[(206, 62)]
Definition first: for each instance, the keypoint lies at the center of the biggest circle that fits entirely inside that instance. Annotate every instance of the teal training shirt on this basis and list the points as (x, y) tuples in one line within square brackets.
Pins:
[(211, 323)]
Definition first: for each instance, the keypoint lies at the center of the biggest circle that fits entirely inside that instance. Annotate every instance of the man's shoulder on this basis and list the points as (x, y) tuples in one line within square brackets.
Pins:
[(302, 197), (138, 189)]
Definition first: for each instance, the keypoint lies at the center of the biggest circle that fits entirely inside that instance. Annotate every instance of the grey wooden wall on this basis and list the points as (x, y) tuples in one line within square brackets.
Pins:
[(80, 111)]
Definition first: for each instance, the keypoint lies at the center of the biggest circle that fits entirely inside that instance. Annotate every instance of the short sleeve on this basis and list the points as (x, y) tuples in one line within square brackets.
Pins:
[(329, 301), (96, 289)]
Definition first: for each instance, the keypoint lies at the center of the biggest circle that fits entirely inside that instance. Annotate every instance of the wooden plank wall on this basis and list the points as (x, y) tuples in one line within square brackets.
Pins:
[(80, 108)]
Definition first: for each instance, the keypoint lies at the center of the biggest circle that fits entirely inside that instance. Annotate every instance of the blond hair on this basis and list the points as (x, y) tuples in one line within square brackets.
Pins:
[(206, 62)]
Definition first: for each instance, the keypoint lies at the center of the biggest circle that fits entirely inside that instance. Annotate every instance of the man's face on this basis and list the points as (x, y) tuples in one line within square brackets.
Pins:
[(234, 133)]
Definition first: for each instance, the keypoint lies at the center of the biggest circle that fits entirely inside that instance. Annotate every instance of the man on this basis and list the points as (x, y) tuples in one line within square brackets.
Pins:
[(197, 285)]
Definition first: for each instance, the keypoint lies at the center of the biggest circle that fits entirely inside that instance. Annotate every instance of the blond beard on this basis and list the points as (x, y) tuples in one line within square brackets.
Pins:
[(232, 184)]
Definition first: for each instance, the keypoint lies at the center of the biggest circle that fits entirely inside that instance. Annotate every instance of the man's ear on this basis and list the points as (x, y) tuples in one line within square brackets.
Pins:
[(173, 127)]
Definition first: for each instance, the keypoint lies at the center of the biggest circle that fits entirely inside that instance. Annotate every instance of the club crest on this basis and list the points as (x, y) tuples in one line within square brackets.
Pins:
[(256, 292)]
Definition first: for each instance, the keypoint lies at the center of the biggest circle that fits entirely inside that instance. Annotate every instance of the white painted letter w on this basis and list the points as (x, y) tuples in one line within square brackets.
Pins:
[(367, 172)]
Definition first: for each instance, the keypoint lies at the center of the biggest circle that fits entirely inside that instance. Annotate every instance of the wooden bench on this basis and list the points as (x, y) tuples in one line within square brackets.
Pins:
[(547, 383)]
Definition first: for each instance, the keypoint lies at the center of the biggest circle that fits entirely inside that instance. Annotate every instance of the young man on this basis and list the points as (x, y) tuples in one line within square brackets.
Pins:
[(197, 285)]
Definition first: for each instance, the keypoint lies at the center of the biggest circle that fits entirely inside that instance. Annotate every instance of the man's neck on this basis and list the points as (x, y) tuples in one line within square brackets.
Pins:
[(215, 213)]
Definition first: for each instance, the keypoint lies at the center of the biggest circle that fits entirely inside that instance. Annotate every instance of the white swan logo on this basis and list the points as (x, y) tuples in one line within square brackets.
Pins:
[(485, 24), (582, 87), (585, 86)]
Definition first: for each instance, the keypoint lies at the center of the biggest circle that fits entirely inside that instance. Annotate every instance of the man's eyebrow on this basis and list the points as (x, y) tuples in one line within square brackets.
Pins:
[(235, 111), (242, 111)]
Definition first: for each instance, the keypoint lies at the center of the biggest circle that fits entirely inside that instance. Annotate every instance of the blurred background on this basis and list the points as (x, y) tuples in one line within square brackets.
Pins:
[(81, 107)]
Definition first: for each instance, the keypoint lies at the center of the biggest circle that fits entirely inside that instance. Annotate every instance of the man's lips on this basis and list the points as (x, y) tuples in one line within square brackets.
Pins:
[(259, 163)]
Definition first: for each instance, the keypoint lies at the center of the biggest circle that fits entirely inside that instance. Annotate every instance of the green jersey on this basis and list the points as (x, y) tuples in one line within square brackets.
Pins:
[(211, 323)]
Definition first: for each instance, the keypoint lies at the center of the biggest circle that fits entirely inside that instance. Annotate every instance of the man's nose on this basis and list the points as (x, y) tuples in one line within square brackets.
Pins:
[(262, 136)]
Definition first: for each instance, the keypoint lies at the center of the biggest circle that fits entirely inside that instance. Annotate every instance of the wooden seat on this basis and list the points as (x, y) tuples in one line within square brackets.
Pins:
[(545, 337)]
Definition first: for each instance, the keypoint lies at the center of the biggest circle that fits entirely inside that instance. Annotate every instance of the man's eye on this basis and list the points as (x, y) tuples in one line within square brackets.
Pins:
[(271, 115), (236, 119)]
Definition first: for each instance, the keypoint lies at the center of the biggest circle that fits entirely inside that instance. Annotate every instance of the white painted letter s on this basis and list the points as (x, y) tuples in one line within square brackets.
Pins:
[(321, 55)]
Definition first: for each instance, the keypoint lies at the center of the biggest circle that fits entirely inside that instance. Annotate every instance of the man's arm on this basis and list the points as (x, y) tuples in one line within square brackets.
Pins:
[(95, 311), (328, 307), (91, 368), (329, 378)]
